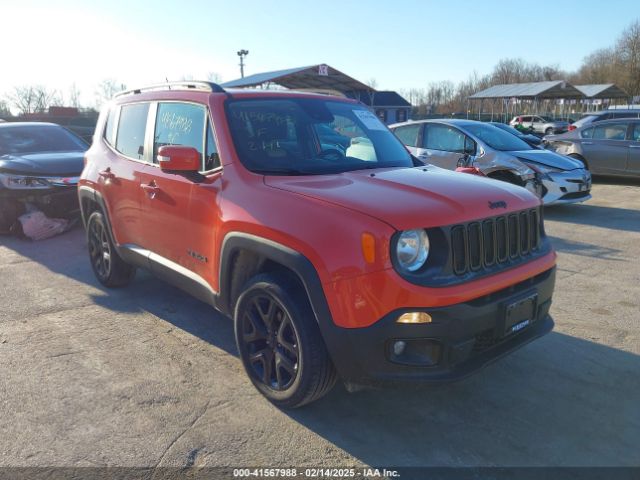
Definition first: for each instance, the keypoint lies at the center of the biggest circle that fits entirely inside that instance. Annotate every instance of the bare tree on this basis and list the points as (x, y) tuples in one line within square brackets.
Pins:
[(628, 56), (214, 77), (107, 88), (74, 96), (33, 99), (5, 111)]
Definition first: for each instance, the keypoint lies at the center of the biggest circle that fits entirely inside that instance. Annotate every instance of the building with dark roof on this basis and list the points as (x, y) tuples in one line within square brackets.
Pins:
[(389, 106)]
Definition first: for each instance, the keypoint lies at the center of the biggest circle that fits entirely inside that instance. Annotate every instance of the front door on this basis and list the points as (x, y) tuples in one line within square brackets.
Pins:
[(167, 196)]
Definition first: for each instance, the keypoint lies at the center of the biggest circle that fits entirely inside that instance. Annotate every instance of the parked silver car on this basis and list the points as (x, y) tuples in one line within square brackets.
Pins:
[(540, 124), (611, 147), (499, 155)]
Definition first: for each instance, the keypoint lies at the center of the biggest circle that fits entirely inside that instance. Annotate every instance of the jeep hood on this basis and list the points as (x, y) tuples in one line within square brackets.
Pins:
[(408, 198), (58, 163), (550, 159)]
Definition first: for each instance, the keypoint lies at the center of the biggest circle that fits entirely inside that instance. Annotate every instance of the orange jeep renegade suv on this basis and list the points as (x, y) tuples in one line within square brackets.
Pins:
[(305, 219)]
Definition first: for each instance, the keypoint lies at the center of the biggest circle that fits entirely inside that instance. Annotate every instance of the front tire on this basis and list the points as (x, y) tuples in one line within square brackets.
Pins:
[(548, 131), (107, 265), (279, 341)]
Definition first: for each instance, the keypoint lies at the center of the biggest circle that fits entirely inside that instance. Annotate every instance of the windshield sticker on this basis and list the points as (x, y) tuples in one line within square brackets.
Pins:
[(369, 119)]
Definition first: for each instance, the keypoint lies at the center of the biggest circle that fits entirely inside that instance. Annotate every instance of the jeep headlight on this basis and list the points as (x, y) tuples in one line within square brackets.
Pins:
[(22, 182), (412, 249)]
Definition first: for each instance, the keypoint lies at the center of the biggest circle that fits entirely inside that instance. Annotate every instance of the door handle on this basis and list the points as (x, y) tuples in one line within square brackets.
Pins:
[(107, 174), (151, 189)]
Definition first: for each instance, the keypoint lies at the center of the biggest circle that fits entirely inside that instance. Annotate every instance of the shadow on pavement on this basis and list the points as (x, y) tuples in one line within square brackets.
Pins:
[(595, 215), (586, 249)]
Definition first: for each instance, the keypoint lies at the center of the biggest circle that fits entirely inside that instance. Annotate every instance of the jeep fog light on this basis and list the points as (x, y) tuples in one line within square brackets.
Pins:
[(414, 317)]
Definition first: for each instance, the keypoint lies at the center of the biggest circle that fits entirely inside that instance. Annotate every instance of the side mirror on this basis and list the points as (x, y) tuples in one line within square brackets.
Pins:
[(179, 158)]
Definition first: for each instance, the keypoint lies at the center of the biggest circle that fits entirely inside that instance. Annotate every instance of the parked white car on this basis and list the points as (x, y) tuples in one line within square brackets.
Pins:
[(497, 154), (540, 124)]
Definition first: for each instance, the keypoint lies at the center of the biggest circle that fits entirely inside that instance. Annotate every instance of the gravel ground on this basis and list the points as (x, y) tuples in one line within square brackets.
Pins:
[(147, 376)]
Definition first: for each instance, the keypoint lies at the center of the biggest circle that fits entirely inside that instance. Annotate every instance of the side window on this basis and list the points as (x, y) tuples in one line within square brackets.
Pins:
[(408, 135), (635, 133), (526, 119), (131, 129), (616, 131), (109, 130), (179, 124), (587, 133), (211, 159), (443, 137)]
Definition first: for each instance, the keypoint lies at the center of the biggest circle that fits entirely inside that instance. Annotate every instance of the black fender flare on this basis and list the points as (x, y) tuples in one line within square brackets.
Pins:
[(88, 193)]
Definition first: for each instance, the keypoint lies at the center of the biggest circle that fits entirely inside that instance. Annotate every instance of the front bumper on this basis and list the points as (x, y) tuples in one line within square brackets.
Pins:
[(54, 202), (462, 338), (572, 186)]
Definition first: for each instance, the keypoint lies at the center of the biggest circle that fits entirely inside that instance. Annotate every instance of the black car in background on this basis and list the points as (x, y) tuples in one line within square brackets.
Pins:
[(531, 139), (39, 165)]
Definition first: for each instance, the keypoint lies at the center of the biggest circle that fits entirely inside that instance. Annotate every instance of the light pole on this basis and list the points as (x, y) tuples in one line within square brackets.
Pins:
[(242, 54)]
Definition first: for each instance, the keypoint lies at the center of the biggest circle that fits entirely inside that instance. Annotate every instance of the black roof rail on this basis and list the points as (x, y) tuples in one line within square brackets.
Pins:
[(185, 85)]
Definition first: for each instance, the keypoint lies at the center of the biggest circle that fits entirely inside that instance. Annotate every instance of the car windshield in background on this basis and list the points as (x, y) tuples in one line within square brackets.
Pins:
[(497, 139), (547, 119), (38, 139), (311, 137)]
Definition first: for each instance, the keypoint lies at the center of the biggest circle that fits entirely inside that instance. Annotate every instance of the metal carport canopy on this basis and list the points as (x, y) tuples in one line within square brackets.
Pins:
[(602, 90), (533, 90), (302, 78)]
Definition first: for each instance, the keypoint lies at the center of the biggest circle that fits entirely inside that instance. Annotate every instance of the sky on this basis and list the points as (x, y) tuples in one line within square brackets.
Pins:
[(401, 44)]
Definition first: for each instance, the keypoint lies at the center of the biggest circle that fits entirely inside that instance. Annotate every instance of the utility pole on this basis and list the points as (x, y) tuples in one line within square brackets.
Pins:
[(242, 54)]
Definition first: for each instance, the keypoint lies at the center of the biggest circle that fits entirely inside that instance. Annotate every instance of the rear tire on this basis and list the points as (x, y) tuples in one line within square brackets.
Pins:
[(107, 265), (279, 341)]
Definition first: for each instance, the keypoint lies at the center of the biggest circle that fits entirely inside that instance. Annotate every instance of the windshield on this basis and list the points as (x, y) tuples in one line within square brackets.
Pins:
[(311, 136), (21, 140), (496, 138)]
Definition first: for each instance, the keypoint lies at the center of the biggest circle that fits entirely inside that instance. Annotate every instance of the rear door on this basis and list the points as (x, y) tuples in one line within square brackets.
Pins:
[(166, 197), (120, 175), (607, 151), (633, 165), (443, 145)]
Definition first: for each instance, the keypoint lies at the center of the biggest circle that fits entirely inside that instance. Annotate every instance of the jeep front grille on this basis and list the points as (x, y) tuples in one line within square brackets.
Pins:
[(498, 240)]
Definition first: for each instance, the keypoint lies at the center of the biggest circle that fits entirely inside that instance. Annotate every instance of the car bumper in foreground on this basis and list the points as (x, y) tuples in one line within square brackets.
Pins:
[(460, 340)]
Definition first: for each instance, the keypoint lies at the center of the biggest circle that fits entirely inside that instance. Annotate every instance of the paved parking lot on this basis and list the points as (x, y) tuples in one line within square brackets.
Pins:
[(148, 376)]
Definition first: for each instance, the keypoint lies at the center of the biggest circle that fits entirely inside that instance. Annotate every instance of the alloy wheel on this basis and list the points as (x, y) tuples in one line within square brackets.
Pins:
[(100, 249), (271, 343)]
